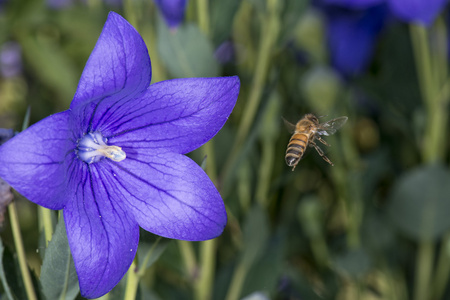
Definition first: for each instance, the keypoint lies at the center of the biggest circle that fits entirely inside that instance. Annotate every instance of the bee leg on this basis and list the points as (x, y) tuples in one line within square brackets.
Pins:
[(320, 151), (322, 140)]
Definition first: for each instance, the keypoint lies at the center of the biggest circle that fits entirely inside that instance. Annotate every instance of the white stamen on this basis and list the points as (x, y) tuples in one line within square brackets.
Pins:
[(92, 147)]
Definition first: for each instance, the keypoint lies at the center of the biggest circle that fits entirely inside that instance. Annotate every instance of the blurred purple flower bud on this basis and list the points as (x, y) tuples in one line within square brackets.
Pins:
[(352, 35), (225, 53), (5, 134), (417, 10), (172, 11), (10, 59)]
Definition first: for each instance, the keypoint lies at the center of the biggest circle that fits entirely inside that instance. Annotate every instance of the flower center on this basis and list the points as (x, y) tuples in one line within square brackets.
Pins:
[(92, 147)]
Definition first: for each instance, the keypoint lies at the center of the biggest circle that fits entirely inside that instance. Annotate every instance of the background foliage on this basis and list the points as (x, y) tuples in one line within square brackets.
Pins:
[(374, 226)]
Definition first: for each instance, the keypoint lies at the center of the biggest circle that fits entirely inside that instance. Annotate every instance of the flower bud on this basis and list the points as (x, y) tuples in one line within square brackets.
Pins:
[(321, 87), (309, 35)]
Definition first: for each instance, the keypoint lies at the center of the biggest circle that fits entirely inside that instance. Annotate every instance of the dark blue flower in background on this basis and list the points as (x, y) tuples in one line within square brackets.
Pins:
[(114, 161), (353, 3), (353, 26), (172, 11), (352, 35), (419, 11)]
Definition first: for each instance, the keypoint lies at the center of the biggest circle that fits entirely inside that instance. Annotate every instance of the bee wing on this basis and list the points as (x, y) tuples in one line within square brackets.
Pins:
[(290, 127), (330, 127)]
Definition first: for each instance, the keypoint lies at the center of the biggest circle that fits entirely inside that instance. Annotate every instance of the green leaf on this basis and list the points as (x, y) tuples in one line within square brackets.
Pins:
[(4, 281), (50, 64), (265, 274), (353, 263), (58, 277), (186, 52), (420, 202)]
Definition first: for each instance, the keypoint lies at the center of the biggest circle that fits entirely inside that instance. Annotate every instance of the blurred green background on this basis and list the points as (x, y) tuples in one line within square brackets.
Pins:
[(374, 226)]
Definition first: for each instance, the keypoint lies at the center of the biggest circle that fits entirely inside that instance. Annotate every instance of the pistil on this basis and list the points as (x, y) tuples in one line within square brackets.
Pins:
[(92, 147)]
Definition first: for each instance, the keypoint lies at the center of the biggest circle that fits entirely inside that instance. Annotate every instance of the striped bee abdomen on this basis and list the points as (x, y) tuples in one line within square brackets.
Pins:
[(296, 148)]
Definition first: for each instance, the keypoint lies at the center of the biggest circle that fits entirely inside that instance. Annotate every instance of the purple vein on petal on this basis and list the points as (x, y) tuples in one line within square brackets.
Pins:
[(107, 222), (160, 190), (104, 266), (151, 112), (125, 121), (119, 183), (91, 184)]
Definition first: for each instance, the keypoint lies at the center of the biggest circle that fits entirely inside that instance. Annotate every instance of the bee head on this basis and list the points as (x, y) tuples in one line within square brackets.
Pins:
[(312, 118)]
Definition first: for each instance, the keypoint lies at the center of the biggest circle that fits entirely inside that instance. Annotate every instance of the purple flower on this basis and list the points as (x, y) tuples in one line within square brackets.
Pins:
[(172, 11), (114, 161), (422, 11), (352, 35), (354, 3)]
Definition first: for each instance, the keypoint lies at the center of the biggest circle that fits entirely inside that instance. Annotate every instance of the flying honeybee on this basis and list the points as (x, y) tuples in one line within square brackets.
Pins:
[(306, 131)]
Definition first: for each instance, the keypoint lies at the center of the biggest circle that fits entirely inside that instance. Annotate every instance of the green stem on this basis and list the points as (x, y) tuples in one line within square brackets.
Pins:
[(207, 248), (135, 273), (349, 195), (442, 273), (320, 250), (203, 16), (208, 263), (130, 13), (188, 255), (269, 35), (21, 252), (419, 38), (439, 56), (147, 257), (436, 103), (132, 282), (424, 266), (48, 224), (244, 190), (237, 282), (148, 33), (266, 165)]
